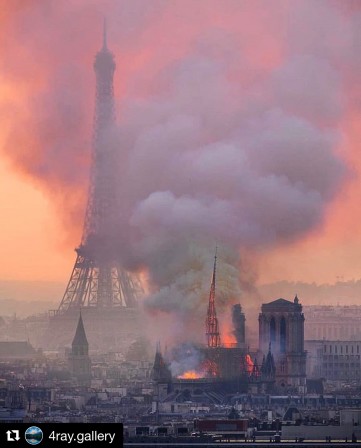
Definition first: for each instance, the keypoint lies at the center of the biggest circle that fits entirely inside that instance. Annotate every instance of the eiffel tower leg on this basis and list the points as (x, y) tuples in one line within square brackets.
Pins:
[(75, 292)]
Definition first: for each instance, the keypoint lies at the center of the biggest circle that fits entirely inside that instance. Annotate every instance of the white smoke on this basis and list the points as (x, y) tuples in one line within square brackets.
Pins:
[(214, 163)]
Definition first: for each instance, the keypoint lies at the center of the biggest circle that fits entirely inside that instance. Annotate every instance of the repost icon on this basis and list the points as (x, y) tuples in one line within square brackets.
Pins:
[(12, 435)]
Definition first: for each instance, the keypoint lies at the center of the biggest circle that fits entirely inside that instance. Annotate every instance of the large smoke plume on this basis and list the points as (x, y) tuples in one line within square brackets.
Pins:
[(230, 127)]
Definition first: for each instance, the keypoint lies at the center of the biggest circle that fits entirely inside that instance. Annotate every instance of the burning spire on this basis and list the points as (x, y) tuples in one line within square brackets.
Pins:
[(212, 331)]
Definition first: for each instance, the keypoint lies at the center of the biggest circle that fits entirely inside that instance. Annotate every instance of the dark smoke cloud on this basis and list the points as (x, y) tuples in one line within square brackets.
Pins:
[(229, 129)]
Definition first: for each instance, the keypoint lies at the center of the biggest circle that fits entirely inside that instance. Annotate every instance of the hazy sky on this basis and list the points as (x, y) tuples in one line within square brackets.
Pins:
[(278, 79)]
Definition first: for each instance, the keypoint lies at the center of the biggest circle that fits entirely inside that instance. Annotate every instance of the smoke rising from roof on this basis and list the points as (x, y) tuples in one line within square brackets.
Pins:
[(185, 357)]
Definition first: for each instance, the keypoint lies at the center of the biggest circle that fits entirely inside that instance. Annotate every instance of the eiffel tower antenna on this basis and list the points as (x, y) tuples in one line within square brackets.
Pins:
[(105, 47)]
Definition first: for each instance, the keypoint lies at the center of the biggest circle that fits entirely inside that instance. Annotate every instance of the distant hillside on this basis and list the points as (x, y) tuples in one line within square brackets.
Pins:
[(27, 298), (342, 293), (34, 291), (24, 309)]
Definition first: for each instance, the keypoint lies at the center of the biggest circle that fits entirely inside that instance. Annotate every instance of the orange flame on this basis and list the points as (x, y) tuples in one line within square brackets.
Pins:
[(227, 337), (144, 280), (229, 340), (190, 375)]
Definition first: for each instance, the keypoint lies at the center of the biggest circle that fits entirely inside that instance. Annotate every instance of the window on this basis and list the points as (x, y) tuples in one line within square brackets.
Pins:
[(272, 328), (283, 335), (283, 367)]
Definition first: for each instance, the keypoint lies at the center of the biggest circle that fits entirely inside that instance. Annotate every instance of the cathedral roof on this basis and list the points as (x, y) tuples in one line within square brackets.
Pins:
[(283, 304), (80, 336), (280, 302)]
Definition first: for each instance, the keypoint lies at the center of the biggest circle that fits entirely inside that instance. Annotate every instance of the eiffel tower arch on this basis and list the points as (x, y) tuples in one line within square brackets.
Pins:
[(106, 293)]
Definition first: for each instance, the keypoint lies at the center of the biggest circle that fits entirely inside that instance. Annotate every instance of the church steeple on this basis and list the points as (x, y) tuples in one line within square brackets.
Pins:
[(80, 344), (79, 361), (161, 372)]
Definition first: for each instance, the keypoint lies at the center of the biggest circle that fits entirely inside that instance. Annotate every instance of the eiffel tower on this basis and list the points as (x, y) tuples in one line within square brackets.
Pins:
[(98, 284)]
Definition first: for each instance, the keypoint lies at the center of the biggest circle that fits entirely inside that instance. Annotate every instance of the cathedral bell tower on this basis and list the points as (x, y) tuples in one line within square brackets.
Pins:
[(281, 324)]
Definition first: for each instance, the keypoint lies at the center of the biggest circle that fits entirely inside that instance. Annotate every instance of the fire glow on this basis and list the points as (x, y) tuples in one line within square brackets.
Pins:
[(249, 364), (190, 375), (229, 340)]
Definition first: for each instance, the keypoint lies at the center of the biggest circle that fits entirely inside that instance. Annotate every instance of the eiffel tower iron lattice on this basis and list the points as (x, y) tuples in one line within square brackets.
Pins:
[(97, 279)]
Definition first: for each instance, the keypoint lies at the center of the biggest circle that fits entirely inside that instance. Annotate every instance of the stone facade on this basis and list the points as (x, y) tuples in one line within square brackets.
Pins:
[(281, 327), (334, 360)]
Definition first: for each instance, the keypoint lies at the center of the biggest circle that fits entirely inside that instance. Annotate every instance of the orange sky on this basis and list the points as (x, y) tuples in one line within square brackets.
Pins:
[(36, 242), (30, 238)]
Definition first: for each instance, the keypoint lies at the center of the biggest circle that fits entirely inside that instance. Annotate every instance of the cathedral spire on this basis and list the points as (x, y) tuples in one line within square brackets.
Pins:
[(214, 269), (212, 330)]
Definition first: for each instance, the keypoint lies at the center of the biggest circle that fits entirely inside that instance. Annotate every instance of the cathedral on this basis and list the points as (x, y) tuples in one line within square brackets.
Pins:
[(234, 367), (281, 349)]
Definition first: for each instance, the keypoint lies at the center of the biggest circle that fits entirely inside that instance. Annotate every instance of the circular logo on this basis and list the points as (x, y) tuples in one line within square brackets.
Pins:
[(34, 435)]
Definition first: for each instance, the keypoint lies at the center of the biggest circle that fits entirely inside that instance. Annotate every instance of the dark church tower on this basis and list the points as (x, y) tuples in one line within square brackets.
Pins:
[(281, 326), (239, 325), (161, 375), (162, 378), (79, 361)]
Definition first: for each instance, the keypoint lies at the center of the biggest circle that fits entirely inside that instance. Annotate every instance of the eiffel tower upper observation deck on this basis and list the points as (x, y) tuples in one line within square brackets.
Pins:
[(98, 279)]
